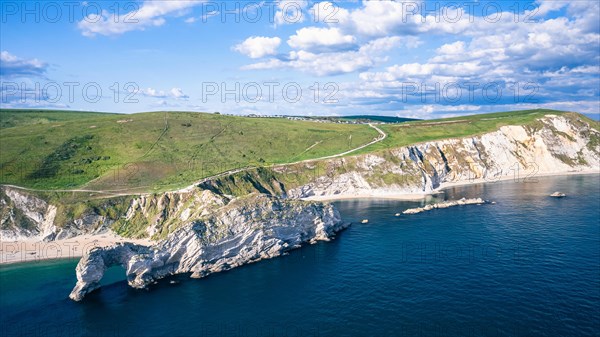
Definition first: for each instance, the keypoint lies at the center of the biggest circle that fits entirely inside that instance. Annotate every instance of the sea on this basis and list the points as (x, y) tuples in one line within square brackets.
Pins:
[(528, 265)]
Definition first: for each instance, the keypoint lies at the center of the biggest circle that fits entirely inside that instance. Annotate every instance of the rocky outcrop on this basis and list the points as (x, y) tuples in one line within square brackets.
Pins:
[(159, 215), (446, 204), (246, 230), (26, 216), (23, 215), (554, 144), (91, 267)]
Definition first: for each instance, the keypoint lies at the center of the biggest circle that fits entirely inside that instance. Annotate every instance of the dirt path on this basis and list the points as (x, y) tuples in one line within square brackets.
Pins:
[(129, 191), (382, 136)]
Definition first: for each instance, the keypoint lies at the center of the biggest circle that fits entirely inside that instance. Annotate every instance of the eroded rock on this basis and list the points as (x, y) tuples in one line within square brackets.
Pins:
[(446, 204), (246, 230)]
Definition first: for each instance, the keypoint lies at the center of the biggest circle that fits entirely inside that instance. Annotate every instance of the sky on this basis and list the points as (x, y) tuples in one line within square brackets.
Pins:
[(420, 59)]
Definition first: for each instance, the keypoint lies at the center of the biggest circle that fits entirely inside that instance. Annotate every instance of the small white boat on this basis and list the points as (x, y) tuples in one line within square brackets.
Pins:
[(365, 221), (397, 214)]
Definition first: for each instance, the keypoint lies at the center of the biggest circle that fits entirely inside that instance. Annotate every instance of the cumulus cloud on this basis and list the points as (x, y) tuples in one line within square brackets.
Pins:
[(11, 65), (556, 57), (290, 12), (175, 93), (328, 12), (178, 93), (332, 63), (554, 46), (258, 46), (314, 38), (148, 14)]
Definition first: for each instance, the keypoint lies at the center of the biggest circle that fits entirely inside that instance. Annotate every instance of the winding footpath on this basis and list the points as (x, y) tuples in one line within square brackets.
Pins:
[(382, 136), (129, 191)]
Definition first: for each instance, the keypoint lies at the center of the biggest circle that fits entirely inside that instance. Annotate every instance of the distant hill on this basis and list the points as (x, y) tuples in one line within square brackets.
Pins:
[(374, 118), (357, 119)]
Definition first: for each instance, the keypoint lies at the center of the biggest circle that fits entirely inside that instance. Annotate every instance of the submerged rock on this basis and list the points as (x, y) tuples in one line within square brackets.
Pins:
[(244, 231), (446, 204)]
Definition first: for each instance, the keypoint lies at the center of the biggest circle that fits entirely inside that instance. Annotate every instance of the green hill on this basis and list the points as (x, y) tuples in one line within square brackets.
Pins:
[(157, 151), (154, 150), (412, 132)]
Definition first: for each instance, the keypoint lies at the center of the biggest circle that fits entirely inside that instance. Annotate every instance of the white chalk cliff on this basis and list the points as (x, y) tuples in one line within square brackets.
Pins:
[(554, 145), (246, 230)]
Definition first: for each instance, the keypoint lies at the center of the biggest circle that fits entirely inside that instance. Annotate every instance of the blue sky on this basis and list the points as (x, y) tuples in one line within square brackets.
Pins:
[(421, 59)]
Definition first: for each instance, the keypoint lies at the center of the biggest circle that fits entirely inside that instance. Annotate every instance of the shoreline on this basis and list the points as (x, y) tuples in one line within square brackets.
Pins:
[(443, 186), (35, 250)]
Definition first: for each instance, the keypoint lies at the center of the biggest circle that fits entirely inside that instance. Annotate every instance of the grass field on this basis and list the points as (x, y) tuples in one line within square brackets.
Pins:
[(155, 150), (413, 132), (158, 151)]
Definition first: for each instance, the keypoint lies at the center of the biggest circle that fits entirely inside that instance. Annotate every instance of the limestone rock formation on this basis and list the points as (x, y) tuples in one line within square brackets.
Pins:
[(246, 230), (446, 204), (556, 144)]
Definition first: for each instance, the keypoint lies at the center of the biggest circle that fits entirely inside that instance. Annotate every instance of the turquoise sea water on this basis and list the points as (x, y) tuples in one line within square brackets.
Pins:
[(526, 266)]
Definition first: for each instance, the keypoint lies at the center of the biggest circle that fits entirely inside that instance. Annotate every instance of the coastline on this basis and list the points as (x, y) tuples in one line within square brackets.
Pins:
[(445, 185), (32, 250)]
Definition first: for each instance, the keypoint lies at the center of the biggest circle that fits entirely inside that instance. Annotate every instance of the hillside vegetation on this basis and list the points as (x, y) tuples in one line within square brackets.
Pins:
[(155, 150), (159, 151), (413, 132)]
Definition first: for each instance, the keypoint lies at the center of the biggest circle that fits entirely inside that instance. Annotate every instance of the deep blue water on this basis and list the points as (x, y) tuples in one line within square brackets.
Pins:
[(526, 266)]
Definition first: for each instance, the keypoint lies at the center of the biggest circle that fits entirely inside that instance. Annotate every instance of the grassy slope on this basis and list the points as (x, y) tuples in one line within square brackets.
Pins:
[(398, 135), (154, 151), (21, 117), (160, 151), (456, 127)]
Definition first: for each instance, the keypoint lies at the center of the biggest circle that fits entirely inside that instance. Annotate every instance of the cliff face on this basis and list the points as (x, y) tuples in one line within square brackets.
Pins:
[(246, 230), (26, 216), (23, 215), (158, 215), (553, 144)]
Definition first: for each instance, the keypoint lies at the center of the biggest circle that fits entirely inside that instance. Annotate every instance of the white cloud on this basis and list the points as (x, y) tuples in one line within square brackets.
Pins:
[(544, 7), (314, 38), (411, 72), (559, 54), (149, 14), (376, 18), (329, 13), (290, 12), (178, 93), (258, 46), (175, 93), (332, 63), (319, 64), (11, 65), (455, 48), (513, 51)]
